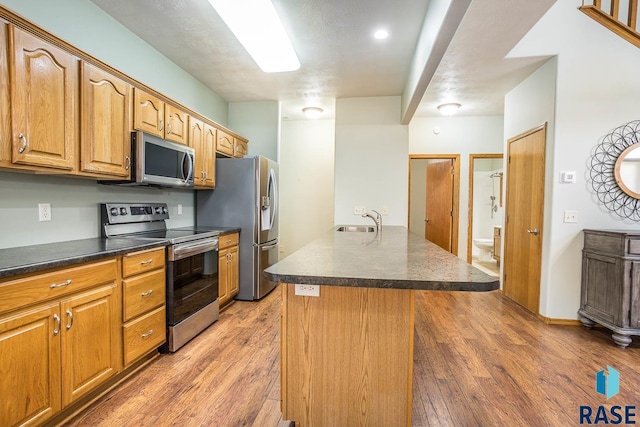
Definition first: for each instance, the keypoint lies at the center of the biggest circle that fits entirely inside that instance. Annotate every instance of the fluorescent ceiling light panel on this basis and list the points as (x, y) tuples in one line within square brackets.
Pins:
[(257, 27)]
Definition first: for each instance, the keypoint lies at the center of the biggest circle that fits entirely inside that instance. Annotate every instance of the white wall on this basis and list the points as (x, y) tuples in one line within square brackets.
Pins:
[(371, 167), (457, 135), (74, 201), (418, 189), (306, 182), (597, 90), (259, 122)]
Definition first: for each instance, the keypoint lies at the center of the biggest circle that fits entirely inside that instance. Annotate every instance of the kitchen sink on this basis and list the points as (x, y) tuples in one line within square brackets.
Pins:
[(356, 228)]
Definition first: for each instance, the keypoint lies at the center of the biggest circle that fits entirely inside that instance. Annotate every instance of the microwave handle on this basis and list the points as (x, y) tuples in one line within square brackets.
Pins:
[(190, 166)]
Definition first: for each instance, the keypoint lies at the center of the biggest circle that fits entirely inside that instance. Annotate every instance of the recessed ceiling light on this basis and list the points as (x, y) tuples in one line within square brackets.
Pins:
[(381, 34), (257, 27)]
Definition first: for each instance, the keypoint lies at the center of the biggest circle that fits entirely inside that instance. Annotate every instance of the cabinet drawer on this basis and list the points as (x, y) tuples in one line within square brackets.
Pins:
[(634, 247), (228, 240), (144, 334), (140, 262), (225, 143), (40, 287), (143, 293)]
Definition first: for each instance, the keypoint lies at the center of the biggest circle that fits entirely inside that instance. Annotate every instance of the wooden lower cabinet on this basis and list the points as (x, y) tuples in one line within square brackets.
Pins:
[(228, 268)]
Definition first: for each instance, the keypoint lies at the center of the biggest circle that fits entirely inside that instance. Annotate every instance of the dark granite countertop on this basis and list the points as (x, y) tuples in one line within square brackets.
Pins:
[(396, 258), (30, 259)]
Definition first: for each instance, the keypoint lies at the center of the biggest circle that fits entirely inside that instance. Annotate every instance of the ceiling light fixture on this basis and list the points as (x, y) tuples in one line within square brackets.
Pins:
[(448, 109), (381, 34), (312, 112), (257, 27)]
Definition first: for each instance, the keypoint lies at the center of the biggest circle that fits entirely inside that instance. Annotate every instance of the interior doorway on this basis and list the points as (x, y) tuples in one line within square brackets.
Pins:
[(485, 212), (434, 189), (524, 217)]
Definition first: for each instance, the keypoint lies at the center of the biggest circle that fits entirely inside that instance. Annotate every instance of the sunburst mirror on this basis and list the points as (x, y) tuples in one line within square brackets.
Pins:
[(615, 171)]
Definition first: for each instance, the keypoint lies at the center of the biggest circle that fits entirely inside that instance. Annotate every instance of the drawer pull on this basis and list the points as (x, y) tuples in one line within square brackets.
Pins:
[(56, 330), (146, 294), (60, 285), (148, 334), (147, 262), (70, 322)]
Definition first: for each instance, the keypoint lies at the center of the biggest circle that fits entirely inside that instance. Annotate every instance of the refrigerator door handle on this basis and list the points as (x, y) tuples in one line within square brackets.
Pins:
[(268, 247), (274, 185)]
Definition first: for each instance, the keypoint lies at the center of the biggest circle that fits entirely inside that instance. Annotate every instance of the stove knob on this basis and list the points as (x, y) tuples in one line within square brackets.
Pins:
[(123, 211), (165, 210), (148, 210), (158, 209), (113, 211)]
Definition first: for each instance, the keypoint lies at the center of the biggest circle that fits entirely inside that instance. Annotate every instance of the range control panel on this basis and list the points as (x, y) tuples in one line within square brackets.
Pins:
[(125, 213)]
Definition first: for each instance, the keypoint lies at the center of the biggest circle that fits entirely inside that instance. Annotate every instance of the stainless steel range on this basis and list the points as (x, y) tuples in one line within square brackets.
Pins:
[(191, 269)]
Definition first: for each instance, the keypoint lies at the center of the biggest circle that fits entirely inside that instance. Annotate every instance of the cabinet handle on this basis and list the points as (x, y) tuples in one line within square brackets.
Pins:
[(148, 334), (127, 164), (147, 262), (56, 330), (146, 294), (161, 124), (168, 128), (60, 285), (24, 143), (70, 322)]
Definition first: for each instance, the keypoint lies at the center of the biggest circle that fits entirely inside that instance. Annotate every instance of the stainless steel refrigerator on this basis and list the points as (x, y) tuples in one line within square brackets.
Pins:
[(246, 196)]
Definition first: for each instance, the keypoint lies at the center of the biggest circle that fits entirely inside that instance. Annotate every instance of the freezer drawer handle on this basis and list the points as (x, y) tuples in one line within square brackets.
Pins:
[(269, 247)]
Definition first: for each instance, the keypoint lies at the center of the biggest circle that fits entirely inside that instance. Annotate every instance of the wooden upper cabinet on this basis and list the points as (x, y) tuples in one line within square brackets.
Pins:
[(148, 113), (225, 143), (202, 138), (5, 117), (177, 124), (43, 87), (105, 143), (152, 115)]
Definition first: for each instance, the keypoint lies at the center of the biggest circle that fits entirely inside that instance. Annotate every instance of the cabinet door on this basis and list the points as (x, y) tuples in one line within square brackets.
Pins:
[(196, 141), (5, 117), (43, 82), (30, 366), (177, 125), (89, 336), (223, 276), (210, 159), (225, 143), (148, 113), (240, 148), (234, 269), (105, 143)]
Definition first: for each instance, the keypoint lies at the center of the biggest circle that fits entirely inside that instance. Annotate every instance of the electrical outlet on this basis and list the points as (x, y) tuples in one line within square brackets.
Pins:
[(44, 212), (570, 216), (385, 210), (308, 290), (359, 210), (179, 209), (281, 249)]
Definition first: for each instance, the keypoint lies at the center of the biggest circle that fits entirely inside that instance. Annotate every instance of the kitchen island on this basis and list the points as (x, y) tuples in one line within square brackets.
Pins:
[(347, 354)]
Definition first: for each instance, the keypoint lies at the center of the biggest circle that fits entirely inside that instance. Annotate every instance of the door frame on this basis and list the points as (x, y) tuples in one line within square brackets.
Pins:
[(472, 158), (455, 195)]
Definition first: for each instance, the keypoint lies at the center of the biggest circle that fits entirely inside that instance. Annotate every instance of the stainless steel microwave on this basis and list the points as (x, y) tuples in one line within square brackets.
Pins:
[(158, 162)]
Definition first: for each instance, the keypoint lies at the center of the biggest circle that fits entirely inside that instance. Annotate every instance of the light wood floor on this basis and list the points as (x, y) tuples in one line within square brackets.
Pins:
[(480, 360)]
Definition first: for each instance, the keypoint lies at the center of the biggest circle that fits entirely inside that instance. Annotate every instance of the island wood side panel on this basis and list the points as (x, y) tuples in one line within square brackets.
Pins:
[(347, 356)]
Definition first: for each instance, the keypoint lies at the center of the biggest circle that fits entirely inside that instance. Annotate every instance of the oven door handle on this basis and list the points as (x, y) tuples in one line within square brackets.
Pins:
[(185, 250)]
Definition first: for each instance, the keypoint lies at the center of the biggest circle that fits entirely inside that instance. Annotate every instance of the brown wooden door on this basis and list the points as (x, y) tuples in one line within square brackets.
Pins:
[(177, 125), (148, 113), (30, 363), (106, 123), (89, 331), (439, 210), (43, 81), (524, 210)]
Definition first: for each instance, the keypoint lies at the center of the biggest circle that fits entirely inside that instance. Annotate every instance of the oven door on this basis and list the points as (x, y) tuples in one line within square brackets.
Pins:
[(192, 293)]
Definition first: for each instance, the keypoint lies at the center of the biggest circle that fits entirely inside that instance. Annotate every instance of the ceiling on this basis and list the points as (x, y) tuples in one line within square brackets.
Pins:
[(339, 56)]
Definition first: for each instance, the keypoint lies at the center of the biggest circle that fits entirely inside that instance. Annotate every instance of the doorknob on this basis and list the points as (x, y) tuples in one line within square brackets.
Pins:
[(426, 220), (533, 231)]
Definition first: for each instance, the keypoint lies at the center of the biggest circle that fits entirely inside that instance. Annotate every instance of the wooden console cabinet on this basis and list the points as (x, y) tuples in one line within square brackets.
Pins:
[(611, 283)]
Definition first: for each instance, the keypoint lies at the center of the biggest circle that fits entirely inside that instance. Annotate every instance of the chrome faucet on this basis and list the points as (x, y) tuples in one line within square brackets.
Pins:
[(377, 219)]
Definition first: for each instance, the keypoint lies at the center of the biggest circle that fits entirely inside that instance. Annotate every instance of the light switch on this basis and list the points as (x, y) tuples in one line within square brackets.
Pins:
[(568, 177)]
